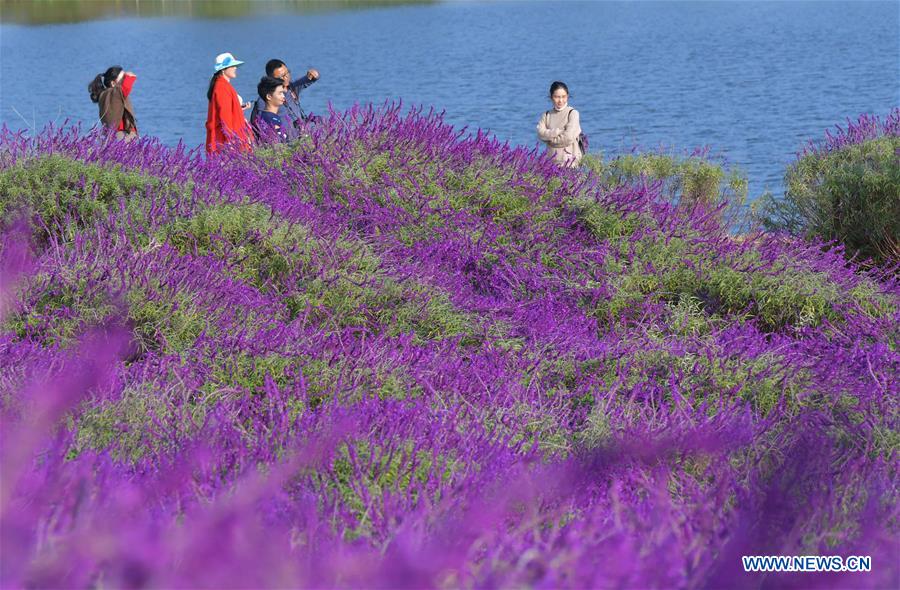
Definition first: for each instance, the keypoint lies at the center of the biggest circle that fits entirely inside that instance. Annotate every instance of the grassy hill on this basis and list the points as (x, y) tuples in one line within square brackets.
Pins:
[(393, 355)]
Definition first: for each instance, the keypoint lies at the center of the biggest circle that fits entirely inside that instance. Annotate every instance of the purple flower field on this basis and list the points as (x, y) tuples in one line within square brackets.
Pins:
[(394, 355)]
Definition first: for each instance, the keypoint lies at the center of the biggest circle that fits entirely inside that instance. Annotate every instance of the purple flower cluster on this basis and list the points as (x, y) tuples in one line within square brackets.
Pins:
[(865, 128), (395, 355)]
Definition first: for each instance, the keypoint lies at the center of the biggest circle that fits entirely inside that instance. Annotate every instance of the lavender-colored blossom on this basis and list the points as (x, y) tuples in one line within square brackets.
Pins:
[(396, 354)]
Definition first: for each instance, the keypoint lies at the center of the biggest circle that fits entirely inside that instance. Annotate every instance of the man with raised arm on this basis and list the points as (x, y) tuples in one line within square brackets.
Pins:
[(291, 113)]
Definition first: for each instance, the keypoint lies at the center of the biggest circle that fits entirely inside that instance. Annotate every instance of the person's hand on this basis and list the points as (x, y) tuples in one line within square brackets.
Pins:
[(247, 105), (312, 74)]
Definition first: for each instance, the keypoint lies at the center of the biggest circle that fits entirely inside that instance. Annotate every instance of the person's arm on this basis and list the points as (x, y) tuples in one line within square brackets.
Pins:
[(310, 77), (298, 85), (256, 119), (212, 122), (544, 132), (258, 107), (127, 83), (569, 133)]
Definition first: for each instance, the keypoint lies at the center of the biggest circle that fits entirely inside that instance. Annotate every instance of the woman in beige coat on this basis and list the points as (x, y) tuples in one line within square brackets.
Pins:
[(560, 127)]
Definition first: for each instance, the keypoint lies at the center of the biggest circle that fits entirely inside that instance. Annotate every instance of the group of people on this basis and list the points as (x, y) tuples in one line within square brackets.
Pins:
[(276, 114)]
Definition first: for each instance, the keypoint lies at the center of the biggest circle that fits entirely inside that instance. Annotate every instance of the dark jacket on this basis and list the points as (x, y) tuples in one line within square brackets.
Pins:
[(115, 108), (269, 127), (291, 113)]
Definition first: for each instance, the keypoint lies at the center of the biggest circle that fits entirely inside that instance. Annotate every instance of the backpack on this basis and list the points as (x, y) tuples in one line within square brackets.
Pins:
[(582, 138)]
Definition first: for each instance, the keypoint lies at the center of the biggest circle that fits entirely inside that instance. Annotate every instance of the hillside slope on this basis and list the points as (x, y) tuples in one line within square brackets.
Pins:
[(394, 355)]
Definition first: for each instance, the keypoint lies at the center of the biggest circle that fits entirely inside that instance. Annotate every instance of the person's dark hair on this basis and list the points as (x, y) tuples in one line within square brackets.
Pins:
[(557, 86), (212, 83), (267, 85), (102, 82), (272, 65)]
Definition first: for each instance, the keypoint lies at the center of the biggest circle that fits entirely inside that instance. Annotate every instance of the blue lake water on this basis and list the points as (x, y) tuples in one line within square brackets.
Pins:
[(752, 80)]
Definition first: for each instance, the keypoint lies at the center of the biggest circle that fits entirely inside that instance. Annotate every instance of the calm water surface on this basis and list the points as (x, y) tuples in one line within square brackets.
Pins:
[(752, 80)]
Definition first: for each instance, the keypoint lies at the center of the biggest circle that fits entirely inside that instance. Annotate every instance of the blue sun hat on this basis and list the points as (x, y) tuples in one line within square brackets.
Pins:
[(224, 61)]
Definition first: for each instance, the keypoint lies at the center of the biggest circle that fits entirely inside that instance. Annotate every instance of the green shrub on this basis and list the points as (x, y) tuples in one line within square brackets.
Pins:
[(685, 180), (59, 310), (605, 224), (365, 471), (353, 291), (122, 426), (56, 188), (851, 195), (260, 248), (704, 380), (249, 372), (781, 296), (168, 323), (793, 297)]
